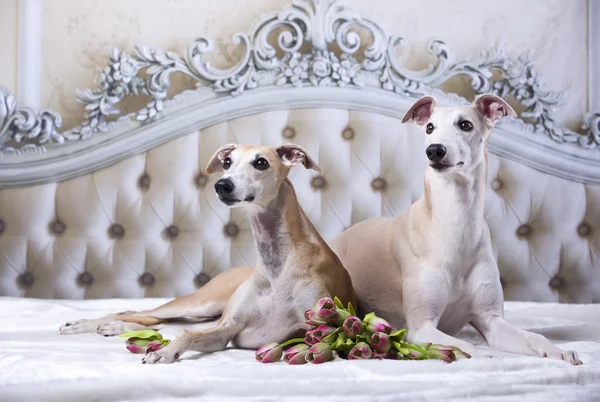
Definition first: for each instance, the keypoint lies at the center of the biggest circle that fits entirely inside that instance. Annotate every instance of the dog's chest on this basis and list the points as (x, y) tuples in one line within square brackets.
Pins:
[(276, 320)]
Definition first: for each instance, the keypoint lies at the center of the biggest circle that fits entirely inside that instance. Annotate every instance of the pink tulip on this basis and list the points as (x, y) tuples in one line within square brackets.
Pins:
[(352, 326), (269, 353), (296, 354), (312, 318), (154, 346), (360, 351), (381, 342), (376, 324), (325, 308), (321, 332), (319, 353), (135, 348)]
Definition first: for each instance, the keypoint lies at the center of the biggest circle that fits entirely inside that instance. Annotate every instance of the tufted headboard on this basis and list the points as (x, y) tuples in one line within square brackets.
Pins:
[(120, 206)]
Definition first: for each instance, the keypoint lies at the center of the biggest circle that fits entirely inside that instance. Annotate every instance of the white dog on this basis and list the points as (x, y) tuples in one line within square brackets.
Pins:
[(432, 269)]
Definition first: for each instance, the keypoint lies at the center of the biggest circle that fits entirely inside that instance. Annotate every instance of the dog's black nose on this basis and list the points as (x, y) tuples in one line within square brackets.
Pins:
[(435, 152), (224, 187)]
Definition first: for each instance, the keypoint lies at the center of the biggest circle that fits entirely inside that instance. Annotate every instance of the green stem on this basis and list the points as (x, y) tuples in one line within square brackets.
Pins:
[(292, 341)]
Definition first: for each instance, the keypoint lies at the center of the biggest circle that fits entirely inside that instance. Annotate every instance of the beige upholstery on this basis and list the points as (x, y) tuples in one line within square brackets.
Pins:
[(152, 226)]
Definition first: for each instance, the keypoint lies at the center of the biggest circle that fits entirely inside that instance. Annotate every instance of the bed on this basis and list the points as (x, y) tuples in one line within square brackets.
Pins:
[(118, 213)]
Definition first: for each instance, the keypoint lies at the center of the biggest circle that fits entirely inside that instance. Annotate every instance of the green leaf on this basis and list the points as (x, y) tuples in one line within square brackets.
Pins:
[(165, 342), (144, 334), (291, 342), (332, 336), (362, 338), (338, 302), (403, 351), (398, 335), (351, 309)]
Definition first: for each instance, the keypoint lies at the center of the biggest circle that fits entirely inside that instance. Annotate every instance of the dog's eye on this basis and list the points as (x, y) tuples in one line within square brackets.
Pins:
[(261, 164), (227, 163), (465, 125), (429, 128)]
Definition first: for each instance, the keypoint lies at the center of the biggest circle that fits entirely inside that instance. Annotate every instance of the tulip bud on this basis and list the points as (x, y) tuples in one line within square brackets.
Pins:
[(380, 342), (269, 353), (325, 308), (308, 338), (339, 317), (137, 345), (319, 353), (360, 351), (137, 349), (154, 346), (321, 332), (440, 352), (375, 324), (352, 326), (415, 355), (296, 354), (460, 354), (313, 319)]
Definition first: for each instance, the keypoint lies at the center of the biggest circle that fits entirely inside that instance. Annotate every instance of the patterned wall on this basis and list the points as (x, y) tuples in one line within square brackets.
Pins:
[(76, 36)]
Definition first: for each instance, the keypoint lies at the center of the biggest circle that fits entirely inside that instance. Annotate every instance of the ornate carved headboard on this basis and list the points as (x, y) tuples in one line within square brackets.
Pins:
[(120, 206)]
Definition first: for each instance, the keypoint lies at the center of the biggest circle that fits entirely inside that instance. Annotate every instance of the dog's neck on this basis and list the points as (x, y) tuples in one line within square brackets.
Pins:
[(453, 204), (277, 228)]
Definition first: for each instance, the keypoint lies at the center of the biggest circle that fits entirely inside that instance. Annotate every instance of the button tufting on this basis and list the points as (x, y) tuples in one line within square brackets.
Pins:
[(172, 232), (524, 231), (318, 182), (57, 227), (379, 184), (147, 279), (201, 180), (144, 182), (85, 279), (26, 279), (2, 226), (288, 133), (497, 185), (201, 279), (348, 134), (231, 229), (583, 229), (557, 283), (116, 231)]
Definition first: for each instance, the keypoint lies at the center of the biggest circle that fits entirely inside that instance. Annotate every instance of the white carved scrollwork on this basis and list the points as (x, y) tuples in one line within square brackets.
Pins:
[(344, 49)]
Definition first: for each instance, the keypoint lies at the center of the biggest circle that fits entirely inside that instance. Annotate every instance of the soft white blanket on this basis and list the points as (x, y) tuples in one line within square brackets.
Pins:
[(36, 363)]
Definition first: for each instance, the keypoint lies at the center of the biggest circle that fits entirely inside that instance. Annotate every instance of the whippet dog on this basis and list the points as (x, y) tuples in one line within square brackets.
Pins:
[(260, 304), (431, 270)]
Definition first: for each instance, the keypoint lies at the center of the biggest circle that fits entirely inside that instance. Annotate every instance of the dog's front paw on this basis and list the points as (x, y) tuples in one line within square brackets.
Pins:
[(111, 328), (165, 355), (565, 355), (78, 327)]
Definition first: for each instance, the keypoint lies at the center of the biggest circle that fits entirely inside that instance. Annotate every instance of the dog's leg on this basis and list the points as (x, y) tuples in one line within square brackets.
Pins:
[(501, 335), (207, 302), (424, 305), (240, 309), (488, 319)]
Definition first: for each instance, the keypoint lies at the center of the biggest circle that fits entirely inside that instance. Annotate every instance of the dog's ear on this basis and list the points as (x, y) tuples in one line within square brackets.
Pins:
[(421, 111), (493, 107), (292, 154), (216, 161)]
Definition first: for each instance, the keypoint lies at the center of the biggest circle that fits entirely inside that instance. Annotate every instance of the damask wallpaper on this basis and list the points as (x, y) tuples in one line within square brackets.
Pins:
[(76, 36)]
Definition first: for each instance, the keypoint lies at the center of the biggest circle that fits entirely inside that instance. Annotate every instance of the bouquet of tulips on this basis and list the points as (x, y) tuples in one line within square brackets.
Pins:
[(334, 328)]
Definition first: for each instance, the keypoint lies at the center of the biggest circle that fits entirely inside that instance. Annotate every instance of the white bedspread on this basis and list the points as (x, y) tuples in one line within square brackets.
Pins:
[(36, 363)]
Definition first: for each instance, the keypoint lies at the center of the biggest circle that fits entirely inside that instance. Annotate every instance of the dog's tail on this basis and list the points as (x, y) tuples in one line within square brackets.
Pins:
[(206, 303)]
